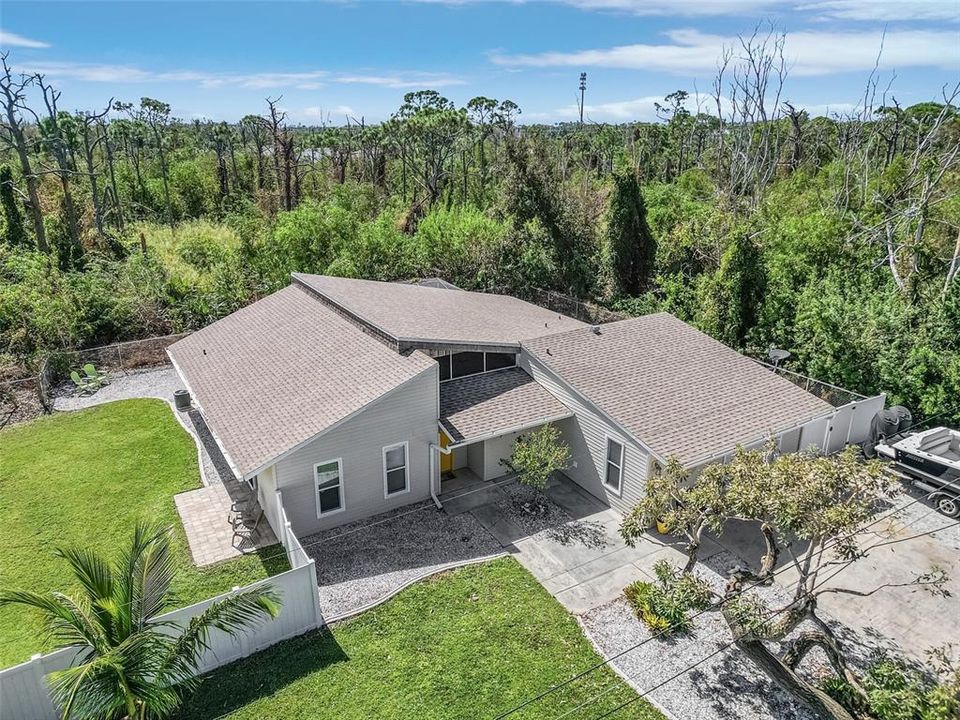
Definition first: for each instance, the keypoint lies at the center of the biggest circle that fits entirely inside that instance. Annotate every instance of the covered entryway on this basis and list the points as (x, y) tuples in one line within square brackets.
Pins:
[(482, 416)]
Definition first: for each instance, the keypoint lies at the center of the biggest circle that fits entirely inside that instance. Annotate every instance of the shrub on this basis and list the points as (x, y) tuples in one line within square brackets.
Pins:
[(663, 606), (201, 251), (896, 692)]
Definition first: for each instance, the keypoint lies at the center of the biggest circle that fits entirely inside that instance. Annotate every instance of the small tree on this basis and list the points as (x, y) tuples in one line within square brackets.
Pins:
[(796, 498), (537, 455), (130, 665), (685, 510), (630, 246)]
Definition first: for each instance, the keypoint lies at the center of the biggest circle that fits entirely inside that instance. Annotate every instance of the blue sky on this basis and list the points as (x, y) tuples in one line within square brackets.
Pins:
[(331, 58)]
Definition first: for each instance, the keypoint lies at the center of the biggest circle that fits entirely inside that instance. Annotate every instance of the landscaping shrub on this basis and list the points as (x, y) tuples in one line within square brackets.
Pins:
[(897, 692), (663, 606)]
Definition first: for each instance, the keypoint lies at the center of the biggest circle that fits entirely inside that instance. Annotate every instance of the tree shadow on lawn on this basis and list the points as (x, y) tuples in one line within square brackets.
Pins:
[(261, 675)]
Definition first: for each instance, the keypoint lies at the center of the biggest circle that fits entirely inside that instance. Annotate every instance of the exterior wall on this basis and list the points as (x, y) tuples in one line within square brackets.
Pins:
[(459, 458), (494, 450), (586, 435), (475, 459), (409, 413)]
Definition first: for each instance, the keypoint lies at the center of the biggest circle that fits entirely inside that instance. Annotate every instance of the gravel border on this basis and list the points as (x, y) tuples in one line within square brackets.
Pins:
[(365, 562)]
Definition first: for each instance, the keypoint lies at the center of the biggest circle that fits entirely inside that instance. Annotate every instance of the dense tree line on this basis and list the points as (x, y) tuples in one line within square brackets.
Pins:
[(836, 238)]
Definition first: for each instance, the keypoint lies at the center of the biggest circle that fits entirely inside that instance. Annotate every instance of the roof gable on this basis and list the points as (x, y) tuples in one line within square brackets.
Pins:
[(282, 370)]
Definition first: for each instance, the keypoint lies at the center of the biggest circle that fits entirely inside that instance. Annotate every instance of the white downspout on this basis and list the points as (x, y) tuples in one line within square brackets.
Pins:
[(433, 464)]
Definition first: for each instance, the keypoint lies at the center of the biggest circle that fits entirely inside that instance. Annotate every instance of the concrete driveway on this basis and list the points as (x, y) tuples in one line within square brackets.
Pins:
[(909, 619), (575, 551)]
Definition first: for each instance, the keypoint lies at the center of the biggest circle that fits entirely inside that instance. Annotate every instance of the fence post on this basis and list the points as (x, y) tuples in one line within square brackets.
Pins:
[(315, 593)]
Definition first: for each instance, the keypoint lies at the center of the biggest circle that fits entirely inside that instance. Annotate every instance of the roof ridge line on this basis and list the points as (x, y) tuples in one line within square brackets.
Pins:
[(361, 323)]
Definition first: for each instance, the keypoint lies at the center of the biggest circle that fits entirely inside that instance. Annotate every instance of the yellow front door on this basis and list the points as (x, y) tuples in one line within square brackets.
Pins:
[(446, 459)]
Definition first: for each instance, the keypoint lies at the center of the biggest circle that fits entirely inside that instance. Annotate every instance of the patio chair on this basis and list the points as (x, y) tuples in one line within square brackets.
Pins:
[(95, 377), (245, 519), (83, 384)]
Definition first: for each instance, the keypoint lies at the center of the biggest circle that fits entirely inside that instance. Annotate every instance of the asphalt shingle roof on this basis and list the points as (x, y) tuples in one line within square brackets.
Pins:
[(677, 390), (482, 405), (276, 373), (416, 312)]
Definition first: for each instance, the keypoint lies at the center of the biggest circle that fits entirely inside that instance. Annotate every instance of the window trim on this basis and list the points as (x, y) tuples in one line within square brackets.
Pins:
[(449, 357), (618, 491), (406, 469), (316, 488)]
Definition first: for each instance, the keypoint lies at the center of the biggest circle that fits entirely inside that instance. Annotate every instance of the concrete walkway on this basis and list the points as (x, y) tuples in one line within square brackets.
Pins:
[(580, 557)]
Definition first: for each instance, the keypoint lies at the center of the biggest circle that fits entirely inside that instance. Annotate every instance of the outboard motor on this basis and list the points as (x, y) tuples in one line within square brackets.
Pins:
[(887, 425)]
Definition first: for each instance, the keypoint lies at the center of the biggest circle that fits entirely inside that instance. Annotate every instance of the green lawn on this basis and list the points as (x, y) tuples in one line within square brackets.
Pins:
[(467, 644), (84, 478)]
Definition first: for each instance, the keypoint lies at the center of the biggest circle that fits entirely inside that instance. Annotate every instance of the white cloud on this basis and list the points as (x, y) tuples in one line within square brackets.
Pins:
[(678, 7), (692, 52), (9, 39), (643, 7), (103, 73), (643, 109), (310, 80), (335, 113), (414, 80), (865, 10), (884, 10)]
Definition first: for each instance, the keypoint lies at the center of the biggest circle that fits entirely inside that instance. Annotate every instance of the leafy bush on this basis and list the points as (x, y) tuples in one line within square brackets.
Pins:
[(537, 456), (664, 605), (896, 692), (201, 251)]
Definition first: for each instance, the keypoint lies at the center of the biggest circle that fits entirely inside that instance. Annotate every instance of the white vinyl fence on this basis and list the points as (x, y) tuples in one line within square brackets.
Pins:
[(23, 689)]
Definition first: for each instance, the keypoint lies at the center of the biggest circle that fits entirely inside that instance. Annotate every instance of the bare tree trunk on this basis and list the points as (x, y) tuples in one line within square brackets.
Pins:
[(815, 699), (954, 269), (108, 152), (14, 93)]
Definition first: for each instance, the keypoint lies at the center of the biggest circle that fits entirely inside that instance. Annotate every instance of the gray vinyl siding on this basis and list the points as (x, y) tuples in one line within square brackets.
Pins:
[(586, 434), (408, 413)]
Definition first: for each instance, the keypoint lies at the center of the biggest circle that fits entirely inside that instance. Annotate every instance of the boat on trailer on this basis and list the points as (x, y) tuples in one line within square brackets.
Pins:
[(931, 459)]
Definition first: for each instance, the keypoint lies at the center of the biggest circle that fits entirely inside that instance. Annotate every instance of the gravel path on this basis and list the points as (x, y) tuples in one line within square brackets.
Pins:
[(154, 383), (722, 686), (366, 561)]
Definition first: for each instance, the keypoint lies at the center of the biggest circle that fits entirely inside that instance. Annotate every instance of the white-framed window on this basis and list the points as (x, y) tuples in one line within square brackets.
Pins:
[(613, 471), (396, 477), (464, 364), (328, 481)]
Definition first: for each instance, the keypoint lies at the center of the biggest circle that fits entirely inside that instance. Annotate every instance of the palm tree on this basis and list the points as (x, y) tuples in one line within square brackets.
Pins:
[(130, 665)]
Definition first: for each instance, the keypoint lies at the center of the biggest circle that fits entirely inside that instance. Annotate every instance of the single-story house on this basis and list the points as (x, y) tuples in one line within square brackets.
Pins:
[(339, 399)]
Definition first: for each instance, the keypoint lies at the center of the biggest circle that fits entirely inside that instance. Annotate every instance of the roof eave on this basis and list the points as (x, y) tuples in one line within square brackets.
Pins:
[(504, 431)]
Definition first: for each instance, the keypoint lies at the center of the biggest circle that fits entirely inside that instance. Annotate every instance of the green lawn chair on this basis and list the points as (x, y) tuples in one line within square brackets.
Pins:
[(95, 378), (83, 385)]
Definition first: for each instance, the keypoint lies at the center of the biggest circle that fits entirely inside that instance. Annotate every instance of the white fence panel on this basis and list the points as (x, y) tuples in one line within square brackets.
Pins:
[(863, 412), (23, 690), (814, 434), (839, 428)]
